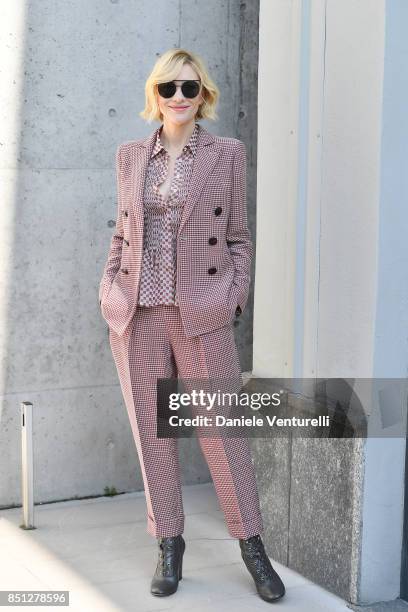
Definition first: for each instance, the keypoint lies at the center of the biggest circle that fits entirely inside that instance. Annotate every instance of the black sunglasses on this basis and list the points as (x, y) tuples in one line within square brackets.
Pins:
[(189, 88)]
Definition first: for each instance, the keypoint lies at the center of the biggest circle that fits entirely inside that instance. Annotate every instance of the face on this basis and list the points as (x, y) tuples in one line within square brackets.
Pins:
[(188, 107)]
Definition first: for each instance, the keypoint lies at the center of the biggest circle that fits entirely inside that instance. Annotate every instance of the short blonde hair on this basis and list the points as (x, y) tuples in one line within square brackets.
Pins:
[(166, 68)]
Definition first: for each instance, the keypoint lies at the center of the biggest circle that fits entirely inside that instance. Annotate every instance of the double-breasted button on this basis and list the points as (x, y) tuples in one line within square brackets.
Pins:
[(218, 211), (127, 241), (126, 213), (125, 270), (212, 270), (212, 240)]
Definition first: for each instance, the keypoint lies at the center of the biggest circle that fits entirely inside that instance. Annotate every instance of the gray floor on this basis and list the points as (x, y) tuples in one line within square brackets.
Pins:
[(99, 550)]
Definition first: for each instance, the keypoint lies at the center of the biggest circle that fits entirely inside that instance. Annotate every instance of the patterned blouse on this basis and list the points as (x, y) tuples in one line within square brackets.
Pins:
[(161, 222)]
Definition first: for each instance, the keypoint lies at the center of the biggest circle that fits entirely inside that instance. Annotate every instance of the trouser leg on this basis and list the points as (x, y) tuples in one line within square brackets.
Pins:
[(143, 357), (215, 355)]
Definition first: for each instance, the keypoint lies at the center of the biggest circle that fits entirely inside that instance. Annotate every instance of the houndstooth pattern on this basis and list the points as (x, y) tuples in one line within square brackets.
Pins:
[(162, 218), (155, 346), (212, 277)]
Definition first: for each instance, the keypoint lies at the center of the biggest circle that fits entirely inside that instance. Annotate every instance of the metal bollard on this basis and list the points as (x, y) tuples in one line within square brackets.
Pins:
[(27, 481)]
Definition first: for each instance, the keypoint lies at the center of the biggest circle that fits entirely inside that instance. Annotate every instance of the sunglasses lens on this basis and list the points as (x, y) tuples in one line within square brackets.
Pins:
[(166, 90), (190, 89)]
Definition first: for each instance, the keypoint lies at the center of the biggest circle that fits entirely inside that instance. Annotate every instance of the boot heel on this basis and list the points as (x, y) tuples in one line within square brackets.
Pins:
[(181, 560)]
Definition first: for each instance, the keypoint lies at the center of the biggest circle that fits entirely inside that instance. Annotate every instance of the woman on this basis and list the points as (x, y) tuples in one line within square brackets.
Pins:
[(177, 274)]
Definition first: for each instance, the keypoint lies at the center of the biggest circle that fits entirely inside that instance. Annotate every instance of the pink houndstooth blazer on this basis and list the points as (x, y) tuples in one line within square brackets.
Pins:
[(214, 247)]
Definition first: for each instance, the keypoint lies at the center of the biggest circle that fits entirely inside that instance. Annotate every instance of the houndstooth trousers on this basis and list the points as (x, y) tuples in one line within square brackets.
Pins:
[(155, 346)]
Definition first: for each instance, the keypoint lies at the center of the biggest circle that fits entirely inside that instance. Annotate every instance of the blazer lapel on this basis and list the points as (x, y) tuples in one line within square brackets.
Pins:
[(204, 162), (140, 158)]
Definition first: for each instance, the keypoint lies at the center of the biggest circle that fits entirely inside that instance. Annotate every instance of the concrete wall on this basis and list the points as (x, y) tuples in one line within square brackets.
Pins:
[(383, 493), (330, 299), (71, 90)]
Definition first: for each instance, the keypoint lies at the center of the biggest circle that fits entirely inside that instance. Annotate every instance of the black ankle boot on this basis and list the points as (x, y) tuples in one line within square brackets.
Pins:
[(169, 565), (268, 583)]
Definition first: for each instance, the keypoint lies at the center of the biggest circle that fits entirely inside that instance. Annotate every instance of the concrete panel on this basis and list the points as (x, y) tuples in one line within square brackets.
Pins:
[(272, 460), (325, 508), (72, 92)]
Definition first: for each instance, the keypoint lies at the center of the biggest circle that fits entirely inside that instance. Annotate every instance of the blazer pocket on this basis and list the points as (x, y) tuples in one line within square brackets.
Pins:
[(233, 300), (107, 290)]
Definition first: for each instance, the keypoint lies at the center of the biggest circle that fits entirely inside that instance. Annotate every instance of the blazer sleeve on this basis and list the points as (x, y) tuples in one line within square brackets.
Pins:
[(238, 235), (115, 250)]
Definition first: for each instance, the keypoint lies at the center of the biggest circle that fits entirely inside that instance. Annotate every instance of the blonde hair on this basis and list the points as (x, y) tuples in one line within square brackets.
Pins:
[(166, 68)]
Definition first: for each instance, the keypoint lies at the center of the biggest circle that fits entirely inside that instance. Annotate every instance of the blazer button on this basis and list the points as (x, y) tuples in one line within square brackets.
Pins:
[(126, 213), (238, 311), (127, 241), (218, 211), (124, 270), (212, 270), (212, 240)]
